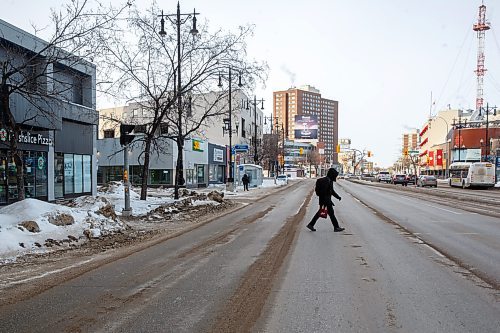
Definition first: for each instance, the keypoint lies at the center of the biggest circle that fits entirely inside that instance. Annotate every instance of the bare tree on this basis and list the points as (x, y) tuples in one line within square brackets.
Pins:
[(31, 68), (143, 67), (270, 150)]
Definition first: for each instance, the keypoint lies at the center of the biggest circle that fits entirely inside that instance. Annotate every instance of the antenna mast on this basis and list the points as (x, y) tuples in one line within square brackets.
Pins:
[(480, 27)]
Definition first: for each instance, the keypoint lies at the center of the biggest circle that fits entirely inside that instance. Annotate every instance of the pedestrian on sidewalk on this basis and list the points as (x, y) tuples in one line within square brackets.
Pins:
[(324, 190), (245, 180)]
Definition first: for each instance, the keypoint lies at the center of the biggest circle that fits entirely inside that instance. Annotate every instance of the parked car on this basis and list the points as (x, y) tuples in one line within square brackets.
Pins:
[(383, 176), (282, 179), (367, 176), (400, 179), (411, 179), (424, 180)]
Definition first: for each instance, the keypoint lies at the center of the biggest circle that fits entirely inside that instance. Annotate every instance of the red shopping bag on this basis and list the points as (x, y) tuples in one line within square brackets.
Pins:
[(323, 212)]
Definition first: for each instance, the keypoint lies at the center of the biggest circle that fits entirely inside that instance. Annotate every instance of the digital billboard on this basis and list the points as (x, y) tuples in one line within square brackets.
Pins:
[(306, 127)]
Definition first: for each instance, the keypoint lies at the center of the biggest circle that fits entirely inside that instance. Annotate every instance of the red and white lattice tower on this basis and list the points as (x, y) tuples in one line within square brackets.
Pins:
[(480, 27)]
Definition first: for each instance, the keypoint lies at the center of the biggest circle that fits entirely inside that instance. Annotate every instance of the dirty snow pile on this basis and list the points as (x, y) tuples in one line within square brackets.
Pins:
[(34, 226)]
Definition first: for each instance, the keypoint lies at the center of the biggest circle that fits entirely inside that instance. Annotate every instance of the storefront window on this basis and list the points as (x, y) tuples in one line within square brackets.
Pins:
[(41, 174), (59, 175), (160, 176), (220, 173), (87, 173), (29, 174), (3, 179), (69, 177), (12, 179), (190, 177), (78, 173), (216, 173), (135, 174)]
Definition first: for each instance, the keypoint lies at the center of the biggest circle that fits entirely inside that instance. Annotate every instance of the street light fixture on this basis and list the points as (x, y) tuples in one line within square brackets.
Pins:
[(228, 123), (176, 20)]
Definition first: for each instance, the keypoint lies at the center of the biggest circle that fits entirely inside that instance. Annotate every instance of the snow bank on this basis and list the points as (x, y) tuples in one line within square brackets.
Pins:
[(16, 240)]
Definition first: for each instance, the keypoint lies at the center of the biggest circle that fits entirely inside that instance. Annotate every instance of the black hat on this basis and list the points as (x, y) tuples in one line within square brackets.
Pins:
[(332, 174)]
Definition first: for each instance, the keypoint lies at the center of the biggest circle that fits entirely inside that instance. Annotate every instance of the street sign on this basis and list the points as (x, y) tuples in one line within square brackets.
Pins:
[(241, 148)]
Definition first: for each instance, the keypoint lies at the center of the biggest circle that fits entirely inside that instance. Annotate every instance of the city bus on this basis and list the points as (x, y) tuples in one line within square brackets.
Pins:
[(468, 174)]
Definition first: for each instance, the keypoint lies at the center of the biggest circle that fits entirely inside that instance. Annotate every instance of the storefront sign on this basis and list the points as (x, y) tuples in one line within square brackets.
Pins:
[(34, 138), (41, 163), (218, 155), (3, 134), (197, 145)]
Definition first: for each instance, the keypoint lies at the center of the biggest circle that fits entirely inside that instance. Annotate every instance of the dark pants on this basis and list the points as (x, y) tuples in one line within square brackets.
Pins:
[(245, 186), (329, 206)]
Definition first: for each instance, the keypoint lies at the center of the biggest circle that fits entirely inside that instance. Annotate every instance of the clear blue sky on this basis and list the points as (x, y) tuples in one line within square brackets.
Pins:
[(380, 59)]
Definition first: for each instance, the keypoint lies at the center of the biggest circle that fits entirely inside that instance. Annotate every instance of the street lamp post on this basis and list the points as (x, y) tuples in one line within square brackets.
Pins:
[(228, 125), (486, 142), (277, 129), (176, 19), (459, 125), (254, 103)]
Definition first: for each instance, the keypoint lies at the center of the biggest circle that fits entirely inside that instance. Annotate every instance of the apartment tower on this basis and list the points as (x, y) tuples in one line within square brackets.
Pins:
[(307, 101)]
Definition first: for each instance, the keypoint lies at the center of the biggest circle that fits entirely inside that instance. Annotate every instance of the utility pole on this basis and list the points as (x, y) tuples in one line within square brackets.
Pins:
[(127, 211)]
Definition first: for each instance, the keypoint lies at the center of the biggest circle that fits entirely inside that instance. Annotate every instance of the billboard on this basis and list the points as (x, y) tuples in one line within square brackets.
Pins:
[(306, 127)]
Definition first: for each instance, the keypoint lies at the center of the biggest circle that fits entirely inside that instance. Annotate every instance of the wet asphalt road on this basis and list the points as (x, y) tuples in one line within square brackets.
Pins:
[(376, 276), (379, 277)]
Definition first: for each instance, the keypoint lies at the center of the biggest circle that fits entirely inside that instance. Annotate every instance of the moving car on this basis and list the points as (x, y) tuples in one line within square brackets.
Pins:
[(282, 180), (424, 180), (400, 179)]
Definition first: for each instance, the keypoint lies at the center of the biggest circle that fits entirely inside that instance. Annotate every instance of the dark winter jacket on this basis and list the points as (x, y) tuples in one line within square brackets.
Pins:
[(245, 179), (326, 198)]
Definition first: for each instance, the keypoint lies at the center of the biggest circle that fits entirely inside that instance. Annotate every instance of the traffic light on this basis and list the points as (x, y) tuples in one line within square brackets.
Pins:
[(338, 148), (405, 151), (369, 154), (301, 151), (125, 134)]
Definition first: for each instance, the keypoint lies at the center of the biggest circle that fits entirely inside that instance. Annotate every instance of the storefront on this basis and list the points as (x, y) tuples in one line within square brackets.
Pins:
[(216, 164), (196, 162), (34, 146)]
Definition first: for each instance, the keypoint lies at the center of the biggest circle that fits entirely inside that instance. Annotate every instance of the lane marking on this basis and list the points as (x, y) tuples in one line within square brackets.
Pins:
[(49, 273), (446, 210)]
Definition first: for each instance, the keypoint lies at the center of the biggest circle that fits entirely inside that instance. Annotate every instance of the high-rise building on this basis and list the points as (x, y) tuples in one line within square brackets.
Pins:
[(410, 141), (307, 101)]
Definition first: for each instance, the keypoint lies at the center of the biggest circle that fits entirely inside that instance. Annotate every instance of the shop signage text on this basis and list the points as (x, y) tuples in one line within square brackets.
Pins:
[(34, 138)]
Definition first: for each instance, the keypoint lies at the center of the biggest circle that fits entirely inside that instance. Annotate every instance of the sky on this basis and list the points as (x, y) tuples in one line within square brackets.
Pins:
[(381, 60)]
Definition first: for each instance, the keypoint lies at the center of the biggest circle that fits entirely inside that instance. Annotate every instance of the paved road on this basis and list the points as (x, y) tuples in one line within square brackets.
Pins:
[(181, 285), (259, 269), (381, 277)]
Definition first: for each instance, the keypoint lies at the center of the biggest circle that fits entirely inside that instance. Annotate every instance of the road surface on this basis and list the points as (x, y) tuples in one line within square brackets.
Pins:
[(402, 265)]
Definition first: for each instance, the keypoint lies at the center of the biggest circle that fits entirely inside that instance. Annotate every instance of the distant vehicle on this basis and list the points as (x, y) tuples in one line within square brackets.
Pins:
[(411, 179), (477, 174), (400, 179), (383, 176), (367, 176), (425, 180), (282, 179)]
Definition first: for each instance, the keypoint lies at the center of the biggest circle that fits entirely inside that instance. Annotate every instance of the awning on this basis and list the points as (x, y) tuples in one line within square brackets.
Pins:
[(423, 153), (424, 142), (424, 130)]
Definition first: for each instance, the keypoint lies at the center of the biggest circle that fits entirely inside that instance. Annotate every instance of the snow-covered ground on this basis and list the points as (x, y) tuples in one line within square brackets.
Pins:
[(34, 226)]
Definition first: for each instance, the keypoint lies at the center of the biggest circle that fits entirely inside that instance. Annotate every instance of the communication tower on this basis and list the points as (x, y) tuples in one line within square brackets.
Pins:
[(480, 27)]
